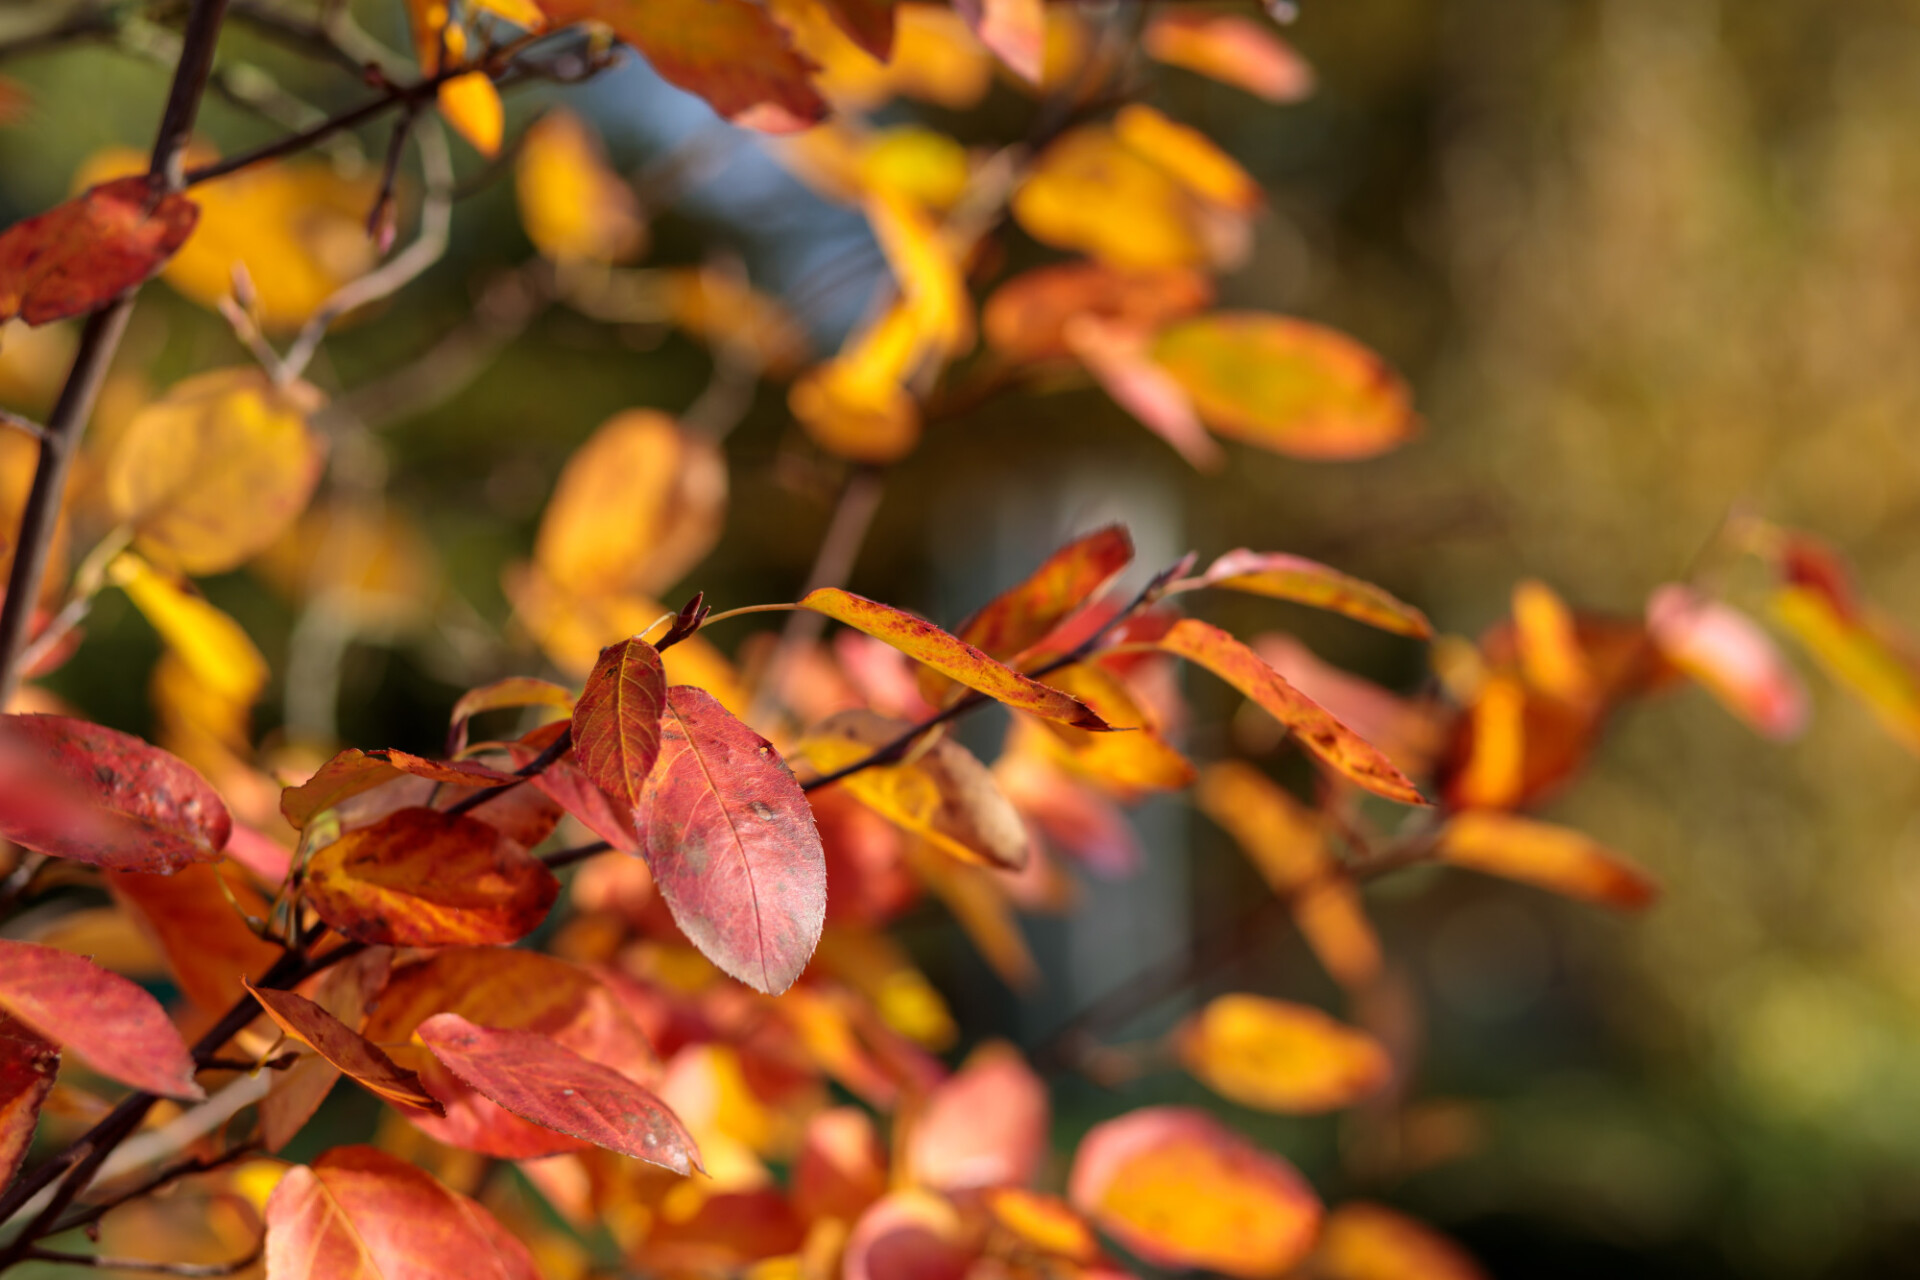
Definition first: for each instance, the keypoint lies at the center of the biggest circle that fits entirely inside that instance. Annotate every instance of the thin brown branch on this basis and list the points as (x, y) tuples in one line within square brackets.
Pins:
[(99, 1209), (555, 749), (18, 423), (106, 1263), (87, 24), (578, 853)]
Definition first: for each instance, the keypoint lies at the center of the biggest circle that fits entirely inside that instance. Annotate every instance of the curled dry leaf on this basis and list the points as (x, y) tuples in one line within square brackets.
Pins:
[(1303, 581), (984, 1126), (921, 640), (81, 255), (106, 798), (510, 693), (616, 722), (358, 1213), (1552, 857), (1231, 49), (1365, 1241), (311, 1025), (731, 843), (1181, 1190), (1338, 746), (944, 795), (1288, 385), (214, 471), (1277, 1056), (1726, 651), (541, 1080), (115, 1027), (353, 771), (295, 1094), (420, 877), (28, 1064)]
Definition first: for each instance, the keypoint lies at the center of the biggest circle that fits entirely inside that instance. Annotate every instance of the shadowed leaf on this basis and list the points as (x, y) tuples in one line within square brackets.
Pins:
[(79, 256), (354, 771), (115, 1027), (501, 695), (345, 1048), (208, 945), (28, 1063)]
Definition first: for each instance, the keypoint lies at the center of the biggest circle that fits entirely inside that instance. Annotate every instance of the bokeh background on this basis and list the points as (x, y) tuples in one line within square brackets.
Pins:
[(1645, 262)]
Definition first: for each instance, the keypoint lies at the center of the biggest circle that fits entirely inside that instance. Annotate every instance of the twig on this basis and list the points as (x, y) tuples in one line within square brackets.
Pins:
[(579, 853), (10, 419), (99, 1209), (555, 749), (142, 1264), (85, 25)]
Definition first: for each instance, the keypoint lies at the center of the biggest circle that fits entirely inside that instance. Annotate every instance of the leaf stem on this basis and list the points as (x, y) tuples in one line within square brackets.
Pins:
[(745, 609)]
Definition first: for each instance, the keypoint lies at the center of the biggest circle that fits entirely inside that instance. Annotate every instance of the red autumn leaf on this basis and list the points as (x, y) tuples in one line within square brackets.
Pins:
[(154, 812), (79, 256), (344, 991), (208, 945), (1726, 651), (868, 23), (353, 772), (28, 1063), (1340, 747), (345, 1048), (595, 810), (910, 1233), (842, 1166), (1022, 615), (116, 1028), (1303, 581), (616, 723), (731, 843), (949, 655), (358, 1213), (984, 1126), (730, 52), (1555, 858), (419, 877), (543, 1081), (1183, 1191)]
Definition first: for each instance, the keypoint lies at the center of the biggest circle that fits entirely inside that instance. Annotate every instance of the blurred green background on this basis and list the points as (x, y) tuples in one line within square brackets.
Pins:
[(1646, 262)]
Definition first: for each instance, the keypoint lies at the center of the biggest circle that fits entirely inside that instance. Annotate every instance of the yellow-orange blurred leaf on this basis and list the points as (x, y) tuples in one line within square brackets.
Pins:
[(213, 471), (1229, 48), (1027, 317), (212, 644), (367, 560), (1550, 654), (979, 902), (1856, 655), (1047, 1224), (1189, 155), (471, 105), (574, 208), (855, 405), (1276, 1056), (1135, 759), (1495, 771), (1071, 196), (1365, 1241), (927, 269), (1288, 385), (723, 310), (1726, 651), (934, 58), (1552, 857)]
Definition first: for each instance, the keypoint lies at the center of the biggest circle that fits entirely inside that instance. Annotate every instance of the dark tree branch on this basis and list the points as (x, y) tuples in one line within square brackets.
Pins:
[(145, 1265), (579, 853), (555, 749)]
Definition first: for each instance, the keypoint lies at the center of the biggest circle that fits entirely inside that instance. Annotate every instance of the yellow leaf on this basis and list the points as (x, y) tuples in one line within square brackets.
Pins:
[(211, 644), (723, 310), (1189, 155), (935, 58), (1856, 656), (215, 470), (640, 503), (574, 208), (922, 165), (471, 105), (856, 405), (1089, 192), (1550, 654), (1277, 1056), (1363, 1241), (1135, 759), (926, 266), (370, 564), (1553, 858)]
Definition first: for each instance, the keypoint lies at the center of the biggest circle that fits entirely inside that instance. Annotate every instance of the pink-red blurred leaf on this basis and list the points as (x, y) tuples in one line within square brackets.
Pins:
[(910, 1235), (116, 1028), (985, 1126), (79, 256), (1726, 651), (1014, 29), (1229, 48)]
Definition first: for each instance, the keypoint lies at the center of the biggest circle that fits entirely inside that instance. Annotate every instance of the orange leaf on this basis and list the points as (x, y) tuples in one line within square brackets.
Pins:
[(573, 206), (1539, 853), (1138, 759), (1288, 385), (1334, 743), (116, 1028), (541, 1080), (985, 1126), (1726, 651), (616, 723), (1182, 1191), (208, 945), (927, 643), (1303, 581), (1548, 639), (731, 844), (1022, 615), (1229, 48), (730, 52), (345, 1048), (1119, 361), (419, 877), (514, 691), (910, 1233), (1189, 155), (27, 1067), (1072, 189), (358, 1213), (1014, 29), (1277, 1056), (1027, 317), (1044, 1223), (1364, 1241), (841, 1168), (106, 798), (472, 106), (295, 1096), (354, 771), (79, 256)]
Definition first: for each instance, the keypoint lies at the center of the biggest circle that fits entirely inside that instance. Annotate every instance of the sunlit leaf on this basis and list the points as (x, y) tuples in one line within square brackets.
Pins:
[(1189, 155), (79, 256), (353, 771), (511, 693), (1230, 48), (1134, 759), (1026, 318), (1288, 385), (195, 921), (926, 266), (213, 646), (722, 309), (1548, 641), (1046, 1224), (1726, 651), (1070, 195), (1551, 857), (1276, 1056), (640, 503), (944, 795), (985, 1126), (1022, 615), (216, 469), (1014, 29), (1856, 653), (856, 404), (28, 1064), (472, 106), (616, 723), (311, 1025), (927, 643), (573, 206), (934, 57), (1074, 818), (1179, 1189), (345, 991), (419, 877), (1365, 1241), (731, 843), (543, 1081), (146, 810), (115, 1027), (358, 1213), (1303, 581), (1328, 739)]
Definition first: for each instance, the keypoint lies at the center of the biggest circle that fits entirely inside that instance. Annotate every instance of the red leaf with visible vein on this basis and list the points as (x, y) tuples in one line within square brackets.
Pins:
[(354, 771), (949, 655), (360, 1214), (541, 1080), (422, 878), (730, 52), (345, 1048), (730, 839), (1303, 581), (116, 1028), (79, 256), (1340, 747), (27, 1066), (142, 808), (616, 723)]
